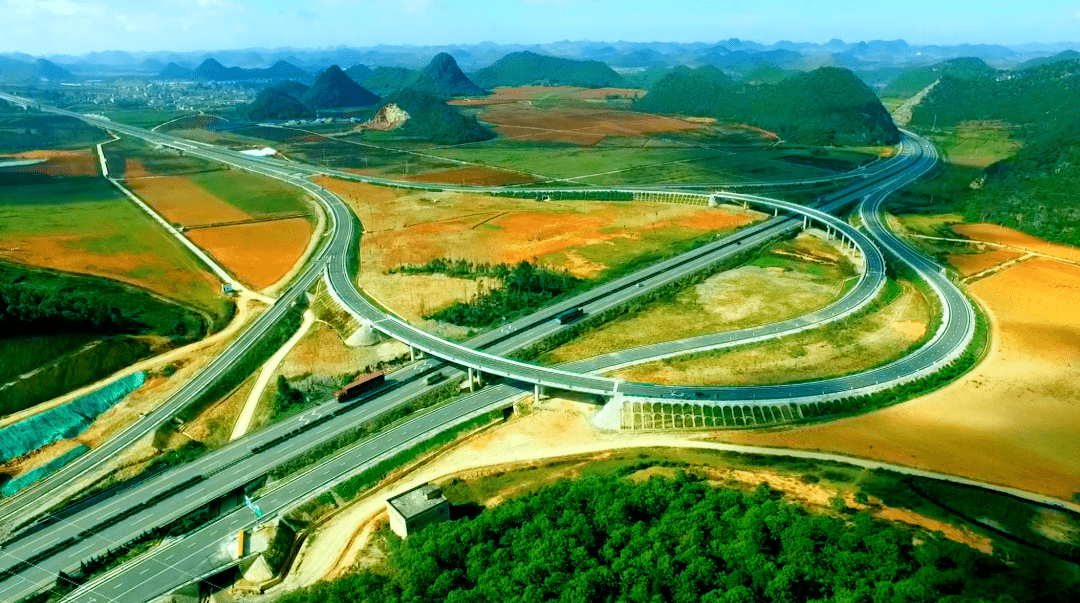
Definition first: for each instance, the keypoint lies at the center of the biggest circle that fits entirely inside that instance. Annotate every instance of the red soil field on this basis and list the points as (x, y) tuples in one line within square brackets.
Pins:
[(1013, 420), (521, 93), (259, 254), (61, 163), (975, 263), (182, 202), (992, 233), (476, 176), (195, 122), (577, 125), (160, 274)]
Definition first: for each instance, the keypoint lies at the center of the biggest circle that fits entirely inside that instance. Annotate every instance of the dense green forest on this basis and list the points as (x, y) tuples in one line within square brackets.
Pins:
[(609, 539), (432, 119), (827, 106), (531, 69), (525, 287), (1035, 190), (41, 302)]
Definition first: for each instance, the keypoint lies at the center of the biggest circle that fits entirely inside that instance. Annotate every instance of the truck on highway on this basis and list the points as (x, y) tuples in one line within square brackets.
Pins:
[(569, 315), (365, 384)]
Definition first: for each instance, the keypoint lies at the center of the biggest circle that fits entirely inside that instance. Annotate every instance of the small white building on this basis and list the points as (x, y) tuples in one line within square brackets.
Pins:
[(414, 509)]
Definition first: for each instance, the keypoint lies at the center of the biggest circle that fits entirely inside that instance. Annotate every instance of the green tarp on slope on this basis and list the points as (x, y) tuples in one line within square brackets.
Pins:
[(64, 422)]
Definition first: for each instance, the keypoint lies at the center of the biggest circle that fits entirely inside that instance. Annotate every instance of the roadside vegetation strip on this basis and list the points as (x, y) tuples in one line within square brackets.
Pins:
[(436, 396), (666, 291), (252, 359), (692, 414)]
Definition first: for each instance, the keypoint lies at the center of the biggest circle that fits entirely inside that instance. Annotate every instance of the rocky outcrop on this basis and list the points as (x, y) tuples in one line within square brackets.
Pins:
[(390, 117)]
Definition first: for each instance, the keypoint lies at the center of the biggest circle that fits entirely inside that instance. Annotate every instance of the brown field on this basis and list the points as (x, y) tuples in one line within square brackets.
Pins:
[(733, 299), (60, 163), (474, 176), (992, 233), (832, 351), (1014, 420), (195, 122), (259, 254), (586, 238), (524, 93), (182, 202), (586, 126), (974, 263), (321, 351)]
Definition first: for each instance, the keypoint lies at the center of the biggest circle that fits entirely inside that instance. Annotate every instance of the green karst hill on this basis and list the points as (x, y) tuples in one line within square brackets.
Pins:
[(432, 119), (827, 106), (333, 89), (443, 77), (531, 69), (911, 81)]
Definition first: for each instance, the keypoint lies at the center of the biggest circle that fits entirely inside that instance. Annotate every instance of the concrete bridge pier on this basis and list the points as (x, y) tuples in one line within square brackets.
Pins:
[(538, 392)]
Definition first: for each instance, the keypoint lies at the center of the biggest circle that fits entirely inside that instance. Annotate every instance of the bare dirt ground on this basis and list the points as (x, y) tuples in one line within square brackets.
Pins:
[(260, 253), (734, 299), (526, 93), (321, 351), (974, 263), (1014, 420), (818, 354), (556, 430), (61, 163), (412, 228), (992, 233)]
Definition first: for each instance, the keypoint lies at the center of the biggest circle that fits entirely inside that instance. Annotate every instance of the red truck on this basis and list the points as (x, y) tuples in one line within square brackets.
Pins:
[(363, 384)]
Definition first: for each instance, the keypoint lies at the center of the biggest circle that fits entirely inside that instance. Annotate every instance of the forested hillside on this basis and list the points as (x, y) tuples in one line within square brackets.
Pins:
[(911, 81), (608, 539), (531, 69), (1037, 100), (824, 107), (1035, 190)]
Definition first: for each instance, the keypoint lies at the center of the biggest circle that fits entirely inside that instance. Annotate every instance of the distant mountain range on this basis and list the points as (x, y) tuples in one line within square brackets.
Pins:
[(213, 71), (865, 55), (30, 72)]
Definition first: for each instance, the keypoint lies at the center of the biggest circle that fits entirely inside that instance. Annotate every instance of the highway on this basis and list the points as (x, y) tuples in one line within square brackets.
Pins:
[(229, 465)]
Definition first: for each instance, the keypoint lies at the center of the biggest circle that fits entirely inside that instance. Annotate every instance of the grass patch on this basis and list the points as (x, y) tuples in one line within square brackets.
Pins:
[(252, 193), (813, 276), (854, 344), (83, 224)]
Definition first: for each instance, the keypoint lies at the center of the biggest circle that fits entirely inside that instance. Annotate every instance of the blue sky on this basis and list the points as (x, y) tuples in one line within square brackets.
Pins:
[(75, 26)]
